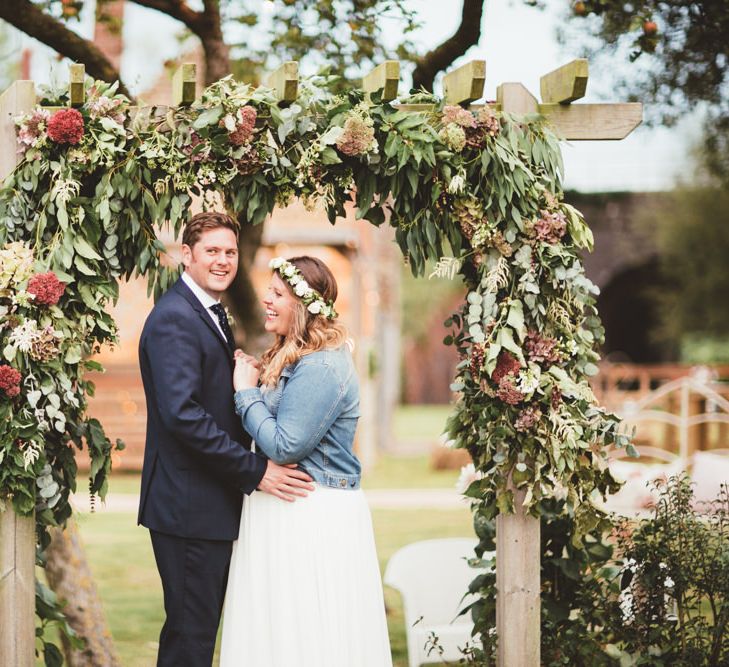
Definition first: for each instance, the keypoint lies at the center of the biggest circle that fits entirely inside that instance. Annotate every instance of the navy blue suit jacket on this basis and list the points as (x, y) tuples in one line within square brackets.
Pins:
[(196, 467)]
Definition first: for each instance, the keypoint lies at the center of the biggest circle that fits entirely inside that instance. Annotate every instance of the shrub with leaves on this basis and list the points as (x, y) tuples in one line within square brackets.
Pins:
[(674, 603)]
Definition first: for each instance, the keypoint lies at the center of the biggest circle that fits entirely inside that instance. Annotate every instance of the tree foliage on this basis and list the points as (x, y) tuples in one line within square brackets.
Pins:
[(685, 47)]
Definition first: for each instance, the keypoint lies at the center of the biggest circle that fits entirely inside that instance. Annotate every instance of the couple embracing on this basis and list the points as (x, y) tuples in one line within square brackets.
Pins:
[(250, 486)]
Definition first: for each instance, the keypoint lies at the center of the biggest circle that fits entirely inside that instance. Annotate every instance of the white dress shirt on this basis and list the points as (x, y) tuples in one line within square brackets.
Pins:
[(204, 298)]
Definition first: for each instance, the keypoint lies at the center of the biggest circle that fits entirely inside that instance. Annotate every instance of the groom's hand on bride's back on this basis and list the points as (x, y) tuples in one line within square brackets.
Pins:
[(285, 482)]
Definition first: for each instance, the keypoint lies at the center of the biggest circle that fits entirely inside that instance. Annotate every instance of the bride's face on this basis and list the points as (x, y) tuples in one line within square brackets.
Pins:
[(280, 303)]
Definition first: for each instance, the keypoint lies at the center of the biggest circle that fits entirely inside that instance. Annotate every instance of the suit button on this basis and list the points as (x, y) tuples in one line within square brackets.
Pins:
[(342, 483)]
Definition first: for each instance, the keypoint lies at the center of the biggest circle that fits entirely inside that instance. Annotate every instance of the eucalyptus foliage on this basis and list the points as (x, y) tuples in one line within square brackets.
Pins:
[(477, 192)]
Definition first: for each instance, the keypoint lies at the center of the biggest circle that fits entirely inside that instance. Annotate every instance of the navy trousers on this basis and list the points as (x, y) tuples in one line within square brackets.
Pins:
[(194, 575)]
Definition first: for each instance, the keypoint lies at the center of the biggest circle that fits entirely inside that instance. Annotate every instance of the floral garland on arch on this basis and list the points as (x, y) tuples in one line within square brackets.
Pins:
[(477, 192)]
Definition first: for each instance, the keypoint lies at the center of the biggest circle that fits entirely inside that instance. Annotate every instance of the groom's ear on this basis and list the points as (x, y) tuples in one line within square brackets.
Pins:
[(186, 255)]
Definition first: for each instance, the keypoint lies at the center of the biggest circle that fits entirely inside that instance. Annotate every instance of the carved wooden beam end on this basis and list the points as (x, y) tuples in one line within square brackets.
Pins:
[(384, 77), (465, 84), (515, 98), (76, 76), (596, 122), (285, 81), (184, 85), (566, 83)]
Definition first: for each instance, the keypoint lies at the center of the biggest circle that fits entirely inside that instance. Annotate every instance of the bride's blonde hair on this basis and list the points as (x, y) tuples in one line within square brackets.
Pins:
[(308, 332)]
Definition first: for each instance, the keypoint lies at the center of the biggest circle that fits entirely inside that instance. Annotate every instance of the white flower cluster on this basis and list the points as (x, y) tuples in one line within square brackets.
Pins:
[(16, 264), (313, 301)]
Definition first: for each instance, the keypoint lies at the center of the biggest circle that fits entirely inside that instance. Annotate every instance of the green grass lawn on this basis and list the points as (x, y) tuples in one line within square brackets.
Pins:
[(390, 472), (123, 565), (420, 422)]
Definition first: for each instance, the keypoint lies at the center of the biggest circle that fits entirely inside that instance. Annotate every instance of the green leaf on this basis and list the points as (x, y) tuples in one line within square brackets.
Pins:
[(208, 117), (516, 318), (83, 248), (73, 355), (329, 156), (83, 267)]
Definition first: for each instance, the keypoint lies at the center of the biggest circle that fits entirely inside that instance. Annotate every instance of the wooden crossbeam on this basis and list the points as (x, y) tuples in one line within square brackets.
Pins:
[(565, 84), (285, 81), (77, 73), (384, 77), (184, 84), (465, 84), (597, 122)]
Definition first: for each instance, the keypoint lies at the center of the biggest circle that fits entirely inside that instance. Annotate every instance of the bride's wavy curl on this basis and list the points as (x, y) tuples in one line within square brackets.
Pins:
[(309, 333)]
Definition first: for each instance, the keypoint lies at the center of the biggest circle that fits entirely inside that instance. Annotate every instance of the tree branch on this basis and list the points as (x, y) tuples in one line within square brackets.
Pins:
[(27, 17), (437, 60), (177, 9), (206, 25)]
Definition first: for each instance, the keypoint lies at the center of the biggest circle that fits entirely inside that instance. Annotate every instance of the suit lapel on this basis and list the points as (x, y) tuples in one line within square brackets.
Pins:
[(184, 291)]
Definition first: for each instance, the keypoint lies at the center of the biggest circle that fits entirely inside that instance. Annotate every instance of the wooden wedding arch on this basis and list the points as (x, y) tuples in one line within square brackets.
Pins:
[(518, 534)]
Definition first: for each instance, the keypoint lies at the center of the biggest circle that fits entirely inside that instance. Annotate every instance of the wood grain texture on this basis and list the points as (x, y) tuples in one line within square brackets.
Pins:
[(565, 84), (518, 565), (598, 122), (17, 534), (466, 83), (285, 81), (385, 77), (184, 85), (76, 92), (515, 98)]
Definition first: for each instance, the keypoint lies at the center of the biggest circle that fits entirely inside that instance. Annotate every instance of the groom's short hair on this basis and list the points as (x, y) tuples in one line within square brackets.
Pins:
[(205, 221)]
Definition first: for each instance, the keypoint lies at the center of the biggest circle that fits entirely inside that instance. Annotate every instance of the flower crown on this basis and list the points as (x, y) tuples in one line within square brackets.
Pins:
[(313, 301)]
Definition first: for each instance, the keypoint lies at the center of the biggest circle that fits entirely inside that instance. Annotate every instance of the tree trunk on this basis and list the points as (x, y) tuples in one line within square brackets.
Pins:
[(242, 297), (69, 576)]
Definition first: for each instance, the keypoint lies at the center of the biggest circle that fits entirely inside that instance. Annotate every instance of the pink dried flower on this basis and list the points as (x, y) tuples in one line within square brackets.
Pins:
[(508, 392), (528, 418), (459, 116), (47, 288), (32, 128), (9, 380), (66, 126), (541, 348), (357, 137), (243, 132), (551, 227)]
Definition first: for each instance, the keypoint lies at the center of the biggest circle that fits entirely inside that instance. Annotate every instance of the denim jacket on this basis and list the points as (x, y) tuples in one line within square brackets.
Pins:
[(309, 417)]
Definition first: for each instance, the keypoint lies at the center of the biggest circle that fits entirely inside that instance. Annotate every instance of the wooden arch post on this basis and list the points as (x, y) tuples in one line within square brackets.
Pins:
[(17, 534)]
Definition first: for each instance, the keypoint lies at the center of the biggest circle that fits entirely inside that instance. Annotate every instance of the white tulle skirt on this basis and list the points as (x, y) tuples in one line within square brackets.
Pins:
[(304, 588)]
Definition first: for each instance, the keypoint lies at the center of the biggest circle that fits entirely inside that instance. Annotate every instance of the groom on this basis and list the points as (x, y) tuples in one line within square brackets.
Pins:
[(197, 464)]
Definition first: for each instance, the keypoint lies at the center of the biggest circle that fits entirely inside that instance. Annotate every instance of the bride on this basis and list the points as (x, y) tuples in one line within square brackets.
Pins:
[(304, 587)]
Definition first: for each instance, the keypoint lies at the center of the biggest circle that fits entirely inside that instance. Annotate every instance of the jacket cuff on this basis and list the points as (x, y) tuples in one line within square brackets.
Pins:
[(245, 398)]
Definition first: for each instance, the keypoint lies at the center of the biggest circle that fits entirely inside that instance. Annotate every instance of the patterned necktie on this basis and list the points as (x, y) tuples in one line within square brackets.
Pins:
[(223, 321)]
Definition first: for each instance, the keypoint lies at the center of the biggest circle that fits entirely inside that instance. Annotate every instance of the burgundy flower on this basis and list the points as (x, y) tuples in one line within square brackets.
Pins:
[(66, 126), (47, 288), (556, 398), (508, 392), (506, 364), (9, 380), (478, 355), (189, 149), (541, 348)]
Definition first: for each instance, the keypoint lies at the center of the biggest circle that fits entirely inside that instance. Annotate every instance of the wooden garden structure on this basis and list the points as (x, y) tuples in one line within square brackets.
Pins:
[(518, 535)]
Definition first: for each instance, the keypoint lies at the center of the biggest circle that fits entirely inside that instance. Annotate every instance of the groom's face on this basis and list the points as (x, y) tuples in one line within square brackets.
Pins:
[(213, 261)]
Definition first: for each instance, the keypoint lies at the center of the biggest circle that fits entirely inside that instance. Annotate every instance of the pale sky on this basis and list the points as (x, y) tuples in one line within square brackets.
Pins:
[(518, 44)]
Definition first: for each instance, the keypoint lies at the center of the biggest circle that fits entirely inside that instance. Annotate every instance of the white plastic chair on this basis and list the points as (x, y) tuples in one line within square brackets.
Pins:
[(432, 577)]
